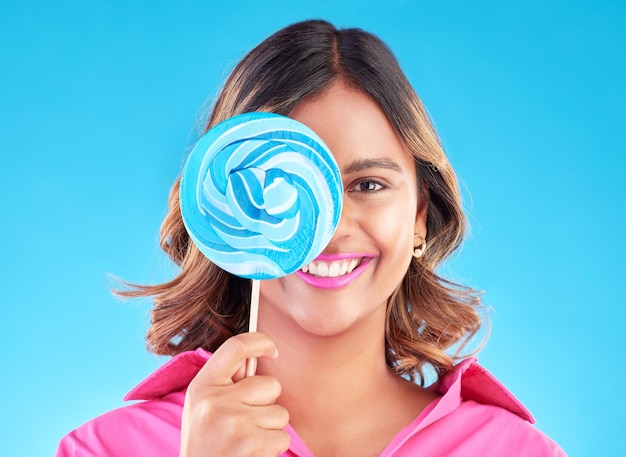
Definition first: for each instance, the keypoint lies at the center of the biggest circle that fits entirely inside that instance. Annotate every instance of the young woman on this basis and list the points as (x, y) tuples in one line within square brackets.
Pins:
[(343, 344)]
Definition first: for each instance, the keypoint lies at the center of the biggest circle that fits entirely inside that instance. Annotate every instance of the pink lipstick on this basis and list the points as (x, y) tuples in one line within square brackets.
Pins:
[(324, 262)]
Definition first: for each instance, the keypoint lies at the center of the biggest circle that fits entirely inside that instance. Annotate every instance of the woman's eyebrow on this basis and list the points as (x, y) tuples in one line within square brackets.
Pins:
[(359, 165)]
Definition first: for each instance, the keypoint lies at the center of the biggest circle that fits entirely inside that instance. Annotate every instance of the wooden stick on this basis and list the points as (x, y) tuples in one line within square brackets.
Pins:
[(254, 317)]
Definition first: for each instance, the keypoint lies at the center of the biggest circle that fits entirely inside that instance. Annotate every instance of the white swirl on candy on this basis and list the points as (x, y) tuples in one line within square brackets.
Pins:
[(261, 195)]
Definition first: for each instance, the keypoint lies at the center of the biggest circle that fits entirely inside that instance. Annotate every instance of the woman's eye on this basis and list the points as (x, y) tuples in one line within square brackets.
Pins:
[(368, 186)]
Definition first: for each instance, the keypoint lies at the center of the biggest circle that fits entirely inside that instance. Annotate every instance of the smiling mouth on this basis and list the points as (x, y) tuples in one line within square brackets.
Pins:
[(333, 269)]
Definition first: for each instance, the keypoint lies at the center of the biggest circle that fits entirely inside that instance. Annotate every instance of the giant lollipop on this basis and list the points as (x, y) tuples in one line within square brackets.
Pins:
[(261, 197)]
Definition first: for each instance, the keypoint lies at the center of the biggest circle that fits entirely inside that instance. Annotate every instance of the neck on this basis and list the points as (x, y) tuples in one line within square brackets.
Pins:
[(335, 374), (336, 384)]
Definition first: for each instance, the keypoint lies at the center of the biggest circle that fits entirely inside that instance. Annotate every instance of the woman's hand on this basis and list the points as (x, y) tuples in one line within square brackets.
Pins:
[(227, 414)]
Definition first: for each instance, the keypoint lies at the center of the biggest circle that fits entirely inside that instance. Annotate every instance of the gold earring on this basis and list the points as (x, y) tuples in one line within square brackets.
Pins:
[(419, 250)]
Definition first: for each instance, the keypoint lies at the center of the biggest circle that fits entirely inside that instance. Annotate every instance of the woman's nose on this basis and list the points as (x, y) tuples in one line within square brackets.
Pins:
[(347, 222)]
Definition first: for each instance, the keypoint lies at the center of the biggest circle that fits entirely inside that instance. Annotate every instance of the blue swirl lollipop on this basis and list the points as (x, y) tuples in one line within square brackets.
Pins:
[(261, 195)]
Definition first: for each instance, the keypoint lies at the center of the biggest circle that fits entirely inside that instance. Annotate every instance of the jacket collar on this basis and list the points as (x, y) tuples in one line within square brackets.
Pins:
[(466, 381)]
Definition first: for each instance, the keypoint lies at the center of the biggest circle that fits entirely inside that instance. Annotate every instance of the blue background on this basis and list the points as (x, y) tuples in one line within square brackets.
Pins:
[(99, 100)]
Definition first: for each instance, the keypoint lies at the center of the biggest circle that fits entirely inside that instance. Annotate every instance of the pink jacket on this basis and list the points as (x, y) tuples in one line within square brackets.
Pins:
[(476, 416)]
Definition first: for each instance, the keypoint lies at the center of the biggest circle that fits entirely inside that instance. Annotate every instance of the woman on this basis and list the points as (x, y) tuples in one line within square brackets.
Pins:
[(339, 340)]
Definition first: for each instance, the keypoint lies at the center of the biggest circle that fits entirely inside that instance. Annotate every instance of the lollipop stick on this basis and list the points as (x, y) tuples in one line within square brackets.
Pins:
[(254, 315)]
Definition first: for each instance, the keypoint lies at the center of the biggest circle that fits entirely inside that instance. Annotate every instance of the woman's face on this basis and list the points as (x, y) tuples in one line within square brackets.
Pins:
[(350, 282)]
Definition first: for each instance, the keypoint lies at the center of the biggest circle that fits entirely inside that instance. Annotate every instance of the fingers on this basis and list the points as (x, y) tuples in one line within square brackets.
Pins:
[(225, 414), (271, 417), (257, 390), (227, 362), (269, 444)]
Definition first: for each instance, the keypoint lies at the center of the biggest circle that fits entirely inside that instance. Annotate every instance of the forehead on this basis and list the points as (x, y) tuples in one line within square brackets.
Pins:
[(353, 126)]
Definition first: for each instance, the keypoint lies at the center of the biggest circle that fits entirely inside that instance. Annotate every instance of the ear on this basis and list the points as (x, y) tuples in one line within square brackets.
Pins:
[(423, 199)]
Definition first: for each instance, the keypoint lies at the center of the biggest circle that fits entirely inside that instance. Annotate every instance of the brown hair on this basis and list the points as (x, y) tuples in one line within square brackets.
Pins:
[(427, 315)]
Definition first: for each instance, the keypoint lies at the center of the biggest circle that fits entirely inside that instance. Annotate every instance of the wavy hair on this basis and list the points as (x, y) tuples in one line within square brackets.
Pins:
[(427, 315)]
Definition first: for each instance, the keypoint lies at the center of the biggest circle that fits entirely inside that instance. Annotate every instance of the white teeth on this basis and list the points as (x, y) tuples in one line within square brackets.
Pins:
[(331, 269), (334, 269)]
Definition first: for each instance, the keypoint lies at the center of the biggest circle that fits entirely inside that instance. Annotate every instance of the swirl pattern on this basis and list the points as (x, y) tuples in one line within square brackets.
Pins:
[(261, 195)]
